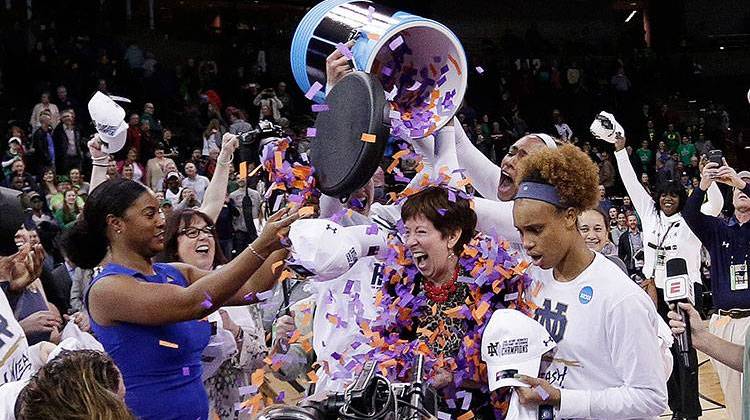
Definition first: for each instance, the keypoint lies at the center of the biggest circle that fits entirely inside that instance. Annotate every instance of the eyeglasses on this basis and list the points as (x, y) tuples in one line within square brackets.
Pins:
[(193, 232)]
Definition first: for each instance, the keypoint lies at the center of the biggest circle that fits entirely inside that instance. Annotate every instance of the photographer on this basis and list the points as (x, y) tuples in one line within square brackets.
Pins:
[(267, 98), (728, 243)]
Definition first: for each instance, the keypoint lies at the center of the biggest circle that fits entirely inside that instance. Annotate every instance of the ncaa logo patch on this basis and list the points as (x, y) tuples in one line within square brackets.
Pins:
[(585, 295)]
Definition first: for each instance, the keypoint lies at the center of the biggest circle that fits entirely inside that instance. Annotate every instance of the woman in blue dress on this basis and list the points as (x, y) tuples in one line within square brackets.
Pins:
[(149, 316)]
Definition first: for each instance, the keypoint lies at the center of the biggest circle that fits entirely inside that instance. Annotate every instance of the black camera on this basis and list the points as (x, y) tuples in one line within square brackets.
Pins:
[(265, 130), (252, 141)]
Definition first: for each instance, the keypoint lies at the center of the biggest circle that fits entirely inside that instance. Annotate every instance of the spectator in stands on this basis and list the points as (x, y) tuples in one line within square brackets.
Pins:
[(45, 150), (646, 183), (18, 169), (68, 214), (620, 227), (564, 133), (134, 137), (646, 155), (63, 101), (686, 150), (630, 247), (156, 167), (286, 99), (39, 211), (63, 185), (173, 190), (69, 151), (212, 137), (604, 203), (14, 153), (671, 137), (148, 116), (132, 159), (197, 183), (77, 182), (44, 105), (197, 159), (267, 98), (48, 186), (237, 121), (606, 172), (242, 235)]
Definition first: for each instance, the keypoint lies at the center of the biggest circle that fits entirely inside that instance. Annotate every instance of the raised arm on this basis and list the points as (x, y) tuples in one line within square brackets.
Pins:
[(641, 199), (125, 299), (100, 162), (702, 225), (484, 174), (715, 201), (213, 199)]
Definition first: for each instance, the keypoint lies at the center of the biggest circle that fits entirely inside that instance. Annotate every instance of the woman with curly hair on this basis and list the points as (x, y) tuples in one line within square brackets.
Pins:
[(75, 385), (605, 326)]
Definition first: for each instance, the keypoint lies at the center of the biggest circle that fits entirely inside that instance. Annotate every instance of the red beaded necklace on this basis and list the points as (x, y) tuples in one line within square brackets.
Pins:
[(440, 293)]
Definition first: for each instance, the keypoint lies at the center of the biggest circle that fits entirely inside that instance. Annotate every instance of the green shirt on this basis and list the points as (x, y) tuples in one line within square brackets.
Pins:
[(646, 155), (686, 152)]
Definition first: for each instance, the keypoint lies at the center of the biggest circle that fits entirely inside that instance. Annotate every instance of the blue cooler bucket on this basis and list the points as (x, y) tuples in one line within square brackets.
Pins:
[(419, 61)]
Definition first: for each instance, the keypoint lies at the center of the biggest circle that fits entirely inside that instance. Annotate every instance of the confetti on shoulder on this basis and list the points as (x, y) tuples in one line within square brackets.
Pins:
[(169, 344), (314, 89), (368, 138), (320, 108), (311, 131)]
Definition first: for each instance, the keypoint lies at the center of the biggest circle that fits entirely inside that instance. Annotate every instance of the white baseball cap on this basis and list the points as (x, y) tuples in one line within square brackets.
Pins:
[(109, 118), (325, 250), (513, 343)]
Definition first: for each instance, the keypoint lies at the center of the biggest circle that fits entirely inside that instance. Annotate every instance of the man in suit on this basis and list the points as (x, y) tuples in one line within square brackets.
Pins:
[(72, 281), (630, 247)]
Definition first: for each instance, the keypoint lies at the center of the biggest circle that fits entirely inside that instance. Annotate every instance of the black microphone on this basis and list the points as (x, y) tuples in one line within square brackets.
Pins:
[(679, 289)]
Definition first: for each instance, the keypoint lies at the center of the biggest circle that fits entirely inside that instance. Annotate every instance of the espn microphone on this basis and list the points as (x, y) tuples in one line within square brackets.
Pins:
[(679, 289)]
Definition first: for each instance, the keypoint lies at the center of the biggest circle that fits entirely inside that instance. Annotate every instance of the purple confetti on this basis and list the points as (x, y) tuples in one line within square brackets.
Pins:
[(280, 398), (207, 303), (451, 196), (311, 131), (320, 108), (314, 89), (344, 50), (480, 70), (370, 11), (348, 287), (544, 395), (444, 69), (387, 71), (442, 81), (443, 415), (373, 229), (396, 43), (442, 211), (186, 371), (467, 401), (414, 87), (437, 59)]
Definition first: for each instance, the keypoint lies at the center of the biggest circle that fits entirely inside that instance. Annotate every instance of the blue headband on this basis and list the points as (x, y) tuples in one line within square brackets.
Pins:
[(539, 191)]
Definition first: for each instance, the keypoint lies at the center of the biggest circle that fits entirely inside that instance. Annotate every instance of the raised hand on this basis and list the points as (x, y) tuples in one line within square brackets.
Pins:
[(606, 128)]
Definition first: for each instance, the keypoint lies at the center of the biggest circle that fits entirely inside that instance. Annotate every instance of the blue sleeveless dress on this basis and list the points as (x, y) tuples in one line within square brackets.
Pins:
[(161, 365)]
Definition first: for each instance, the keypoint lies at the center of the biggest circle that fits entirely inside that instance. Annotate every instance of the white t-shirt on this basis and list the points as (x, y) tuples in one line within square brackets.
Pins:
[(608, 362), (350, 298), (14, 362)]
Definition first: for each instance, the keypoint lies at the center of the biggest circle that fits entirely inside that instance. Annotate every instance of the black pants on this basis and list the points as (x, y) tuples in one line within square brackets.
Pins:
[(682, 386)]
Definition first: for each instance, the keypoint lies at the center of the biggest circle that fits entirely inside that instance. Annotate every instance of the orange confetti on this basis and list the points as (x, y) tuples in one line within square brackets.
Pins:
[(480, 311), (466, 416), (401, 153), (169, 344), (295, 336), (243, 170), (374, 37), (435, 94), (278, 160), (368, 138), (276, 265), (258, 377), (306, 346), (455, 64), (313, 376)]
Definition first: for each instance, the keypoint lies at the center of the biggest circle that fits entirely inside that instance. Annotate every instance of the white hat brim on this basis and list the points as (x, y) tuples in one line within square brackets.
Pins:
[(528, 367)]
